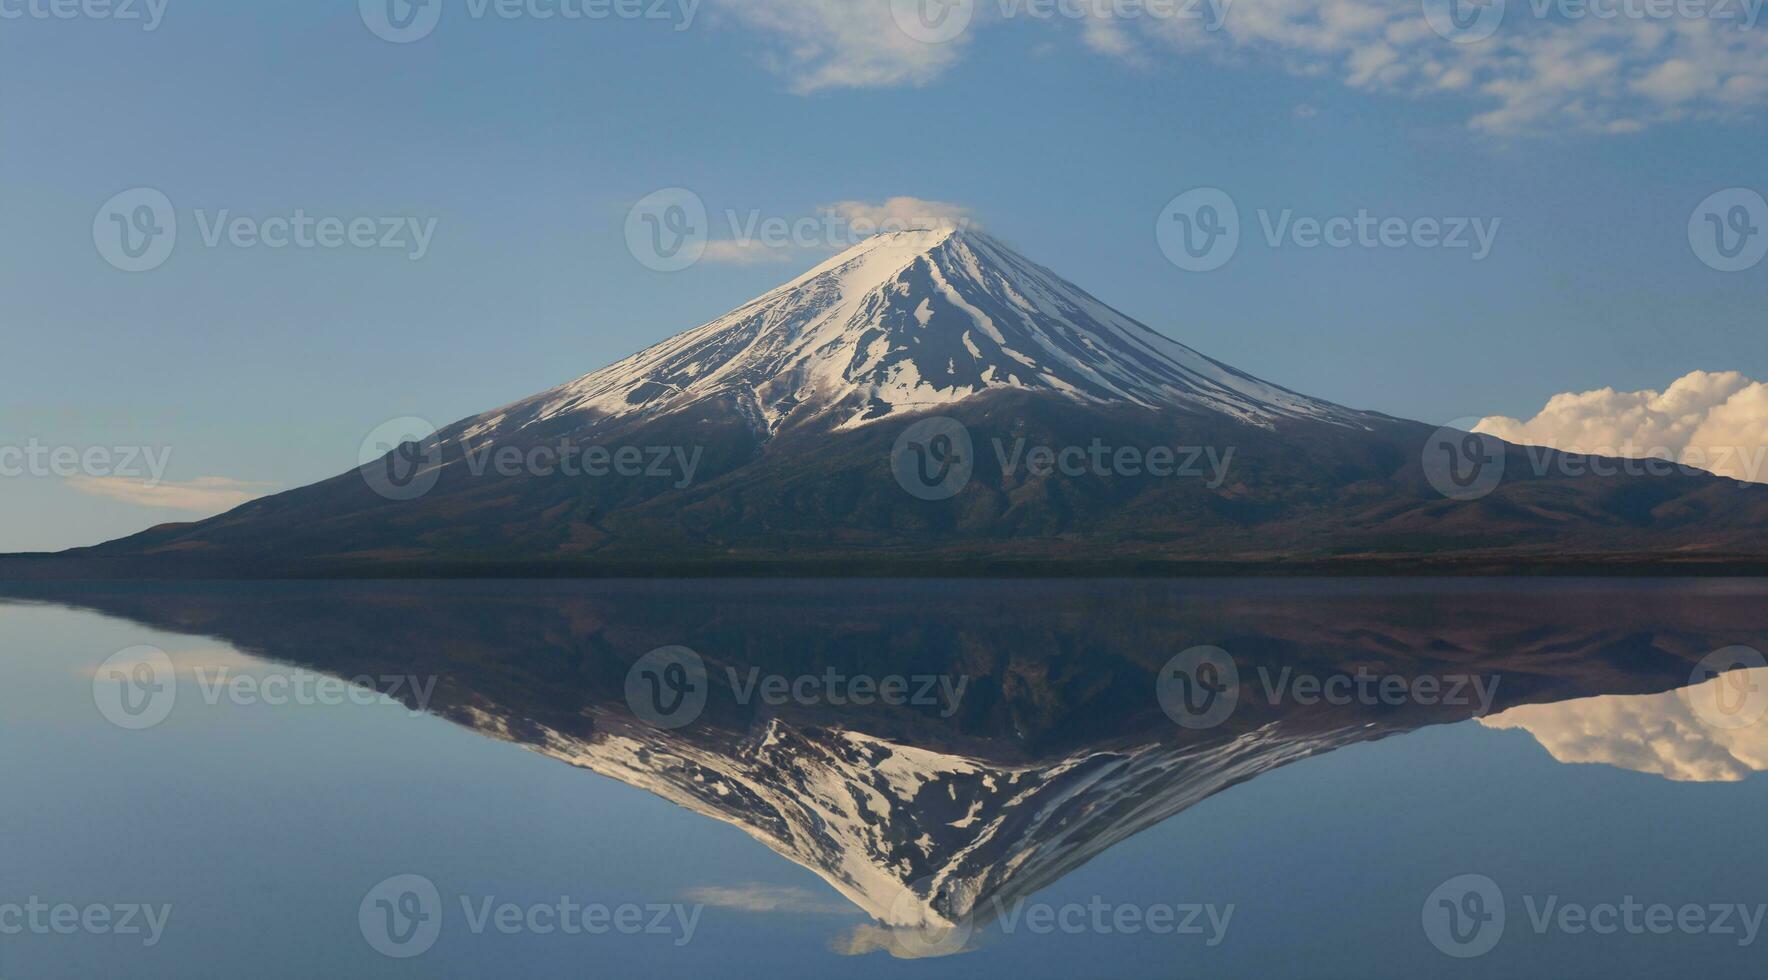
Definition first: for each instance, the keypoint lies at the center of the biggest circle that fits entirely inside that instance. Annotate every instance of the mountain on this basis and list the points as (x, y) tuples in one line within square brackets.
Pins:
[(913, 322), (931, 401)]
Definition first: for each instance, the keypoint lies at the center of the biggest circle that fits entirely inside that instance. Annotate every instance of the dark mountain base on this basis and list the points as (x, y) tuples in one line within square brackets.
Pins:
[(53, 568), (1299, 498)]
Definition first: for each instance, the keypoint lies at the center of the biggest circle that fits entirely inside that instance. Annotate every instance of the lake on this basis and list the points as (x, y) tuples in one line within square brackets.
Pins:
[(1025, 779)]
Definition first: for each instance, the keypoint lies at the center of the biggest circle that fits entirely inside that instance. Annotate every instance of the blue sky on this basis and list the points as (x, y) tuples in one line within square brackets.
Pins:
[(526, 142)]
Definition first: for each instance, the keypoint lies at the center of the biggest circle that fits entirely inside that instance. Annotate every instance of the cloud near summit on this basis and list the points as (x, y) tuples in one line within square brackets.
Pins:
[(836, 227), (902, 213)]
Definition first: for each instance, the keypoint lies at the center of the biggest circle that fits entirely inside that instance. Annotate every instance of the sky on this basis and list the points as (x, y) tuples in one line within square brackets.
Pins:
[(481, 160)]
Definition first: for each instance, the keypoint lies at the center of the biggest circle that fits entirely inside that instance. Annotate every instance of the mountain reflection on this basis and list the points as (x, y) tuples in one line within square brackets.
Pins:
[(1049, 736)]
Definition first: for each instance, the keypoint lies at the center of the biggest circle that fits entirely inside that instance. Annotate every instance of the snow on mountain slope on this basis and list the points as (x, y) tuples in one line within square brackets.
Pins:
[(907, 322)]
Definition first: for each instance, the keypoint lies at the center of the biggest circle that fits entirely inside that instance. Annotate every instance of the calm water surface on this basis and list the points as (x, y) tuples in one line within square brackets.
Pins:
[(880, 779)]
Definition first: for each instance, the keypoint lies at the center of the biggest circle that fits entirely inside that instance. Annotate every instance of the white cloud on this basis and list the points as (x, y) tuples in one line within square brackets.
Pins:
[(1535, 75), (1660, 734), (836, 227), (901, 213), (766, 898), (829, 44), (1676, 80), (1111, 37), (743, 251), (1715, 421), (193, 662), (902, 944), (206, 495)]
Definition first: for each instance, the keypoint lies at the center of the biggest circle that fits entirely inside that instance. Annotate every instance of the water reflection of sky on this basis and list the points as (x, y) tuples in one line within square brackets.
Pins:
[(263, 827), (1708, 733)]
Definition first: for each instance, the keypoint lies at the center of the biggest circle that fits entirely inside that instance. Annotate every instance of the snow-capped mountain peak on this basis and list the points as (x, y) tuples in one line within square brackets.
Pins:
[(911, 321)]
